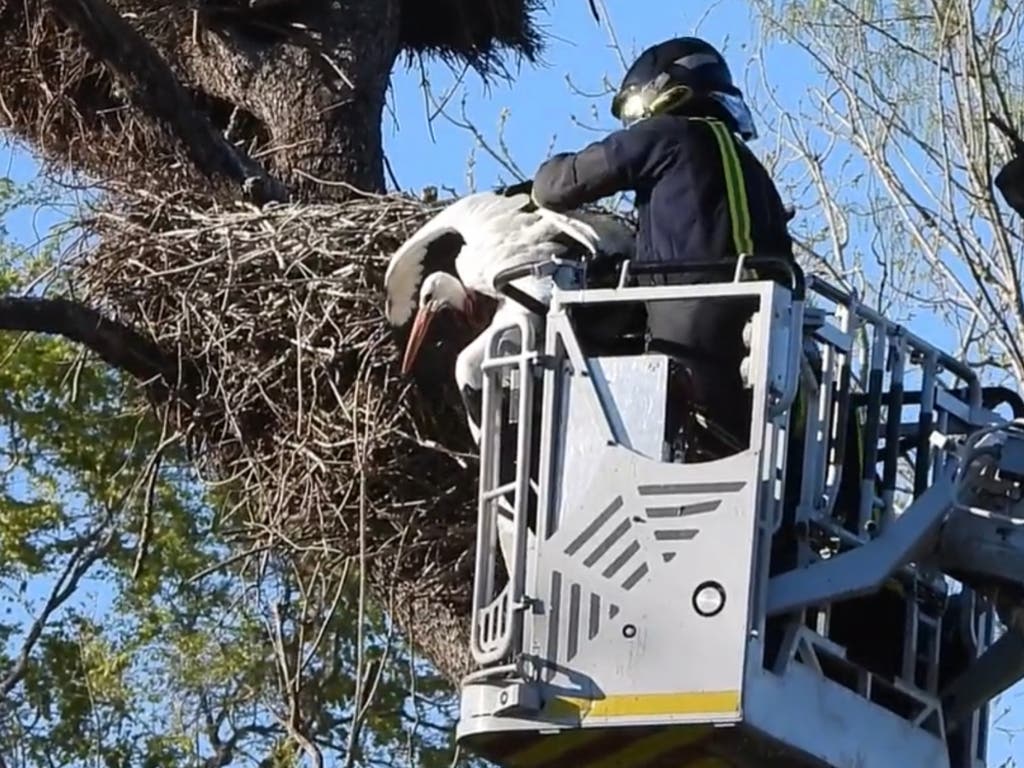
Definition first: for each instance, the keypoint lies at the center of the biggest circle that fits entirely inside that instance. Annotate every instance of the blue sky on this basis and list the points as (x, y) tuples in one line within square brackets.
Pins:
[(540, 113), (543, 111)]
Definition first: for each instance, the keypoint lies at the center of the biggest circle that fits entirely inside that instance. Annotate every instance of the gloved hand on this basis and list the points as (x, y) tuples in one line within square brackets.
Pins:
[(522, 187)]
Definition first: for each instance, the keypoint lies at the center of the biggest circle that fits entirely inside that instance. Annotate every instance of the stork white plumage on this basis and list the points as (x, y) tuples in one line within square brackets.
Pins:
[(462, 250), (441, 291), (470, 243)]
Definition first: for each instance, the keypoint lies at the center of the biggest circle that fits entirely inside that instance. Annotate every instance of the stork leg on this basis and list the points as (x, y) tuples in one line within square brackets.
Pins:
[(506, 532), (472, 401), (469, 378)]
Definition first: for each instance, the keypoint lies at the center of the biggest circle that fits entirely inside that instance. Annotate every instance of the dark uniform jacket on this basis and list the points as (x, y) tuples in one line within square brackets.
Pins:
[(701, 194)]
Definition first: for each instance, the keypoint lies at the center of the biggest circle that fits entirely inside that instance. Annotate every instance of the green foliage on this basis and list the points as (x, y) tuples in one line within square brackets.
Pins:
[(125, 640)]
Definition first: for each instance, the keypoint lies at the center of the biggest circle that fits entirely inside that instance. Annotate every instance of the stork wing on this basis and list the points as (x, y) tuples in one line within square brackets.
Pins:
[(435, 246), (475, 215), (485, 233), (498, 231), (432, 248), (598, 233)]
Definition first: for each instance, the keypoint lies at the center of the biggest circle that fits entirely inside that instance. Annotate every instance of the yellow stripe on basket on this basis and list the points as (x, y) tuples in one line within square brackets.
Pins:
[(654, 704)]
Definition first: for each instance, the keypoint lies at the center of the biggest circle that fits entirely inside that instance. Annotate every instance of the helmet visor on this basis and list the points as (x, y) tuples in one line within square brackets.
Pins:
[(634, 103), (634, 109), (739, 111)]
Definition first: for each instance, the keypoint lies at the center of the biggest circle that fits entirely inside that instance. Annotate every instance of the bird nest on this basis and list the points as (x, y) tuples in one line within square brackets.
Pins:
[(297, 414)]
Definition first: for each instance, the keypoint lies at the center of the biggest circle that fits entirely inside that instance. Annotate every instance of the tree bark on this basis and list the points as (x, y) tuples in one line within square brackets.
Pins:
[(316, 81), (116, 344), (158, 94), (297, 87)]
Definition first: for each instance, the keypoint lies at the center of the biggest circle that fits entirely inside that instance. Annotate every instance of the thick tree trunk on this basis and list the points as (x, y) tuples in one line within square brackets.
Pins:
[(155, 90), (297, 86), (314, 79)]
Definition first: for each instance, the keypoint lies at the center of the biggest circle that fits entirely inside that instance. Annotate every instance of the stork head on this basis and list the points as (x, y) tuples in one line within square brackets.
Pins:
[(438, 292)]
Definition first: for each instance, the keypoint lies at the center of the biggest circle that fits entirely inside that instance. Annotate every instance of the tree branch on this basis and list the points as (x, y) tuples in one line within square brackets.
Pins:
[(157, 93), (90, 549), (115, 343)]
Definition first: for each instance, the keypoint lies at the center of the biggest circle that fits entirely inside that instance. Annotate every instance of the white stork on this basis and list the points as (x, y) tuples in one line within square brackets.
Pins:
[(477, 238)]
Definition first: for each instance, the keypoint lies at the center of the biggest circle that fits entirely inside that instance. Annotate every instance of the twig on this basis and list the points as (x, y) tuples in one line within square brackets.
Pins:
[(86, 553)]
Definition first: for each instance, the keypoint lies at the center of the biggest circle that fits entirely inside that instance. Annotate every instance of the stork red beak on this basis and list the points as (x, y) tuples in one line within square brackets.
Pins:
[(420, 325)]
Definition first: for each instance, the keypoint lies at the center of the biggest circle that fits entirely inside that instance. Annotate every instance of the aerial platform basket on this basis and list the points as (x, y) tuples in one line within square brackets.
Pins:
[(783, 605)]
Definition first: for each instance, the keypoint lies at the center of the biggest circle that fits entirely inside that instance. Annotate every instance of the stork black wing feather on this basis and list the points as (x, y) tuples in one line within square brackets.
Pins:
[(441, 253), (439, 257), (1010, 182)]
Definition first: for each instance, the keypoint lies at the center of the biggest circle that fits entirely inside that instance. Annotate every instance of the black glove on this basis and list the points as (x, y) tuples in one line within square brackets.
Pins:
[(520, 188)]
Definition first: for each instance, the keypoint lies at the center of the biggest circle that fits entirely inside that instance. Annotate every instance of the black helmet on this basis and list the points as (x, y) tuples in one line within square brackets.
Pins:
[(670, 74)]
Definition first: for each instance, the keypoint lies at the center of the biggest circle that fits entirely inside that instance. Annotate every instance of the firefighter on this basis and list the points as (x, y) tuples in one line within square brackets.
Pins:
[(700, 194)]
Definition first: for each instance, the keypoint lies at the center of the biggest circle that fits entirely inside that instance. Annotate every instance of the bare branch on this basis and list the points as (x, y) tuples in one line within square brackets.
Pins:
[(115, 343), (904, 94), (87, 552)]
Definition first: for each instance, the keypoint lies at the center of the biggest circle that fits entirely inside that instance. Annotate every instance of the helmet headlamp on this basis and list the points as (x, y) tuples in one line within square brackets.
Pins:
[(633, 108)]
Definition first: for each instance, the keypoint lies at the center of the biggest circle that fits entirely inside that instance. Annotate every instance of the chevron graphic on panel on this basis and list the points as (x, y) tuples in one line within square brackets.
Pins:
[(610, 544), (596, 541), (605, 542), (581, 612), (674, 523)]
